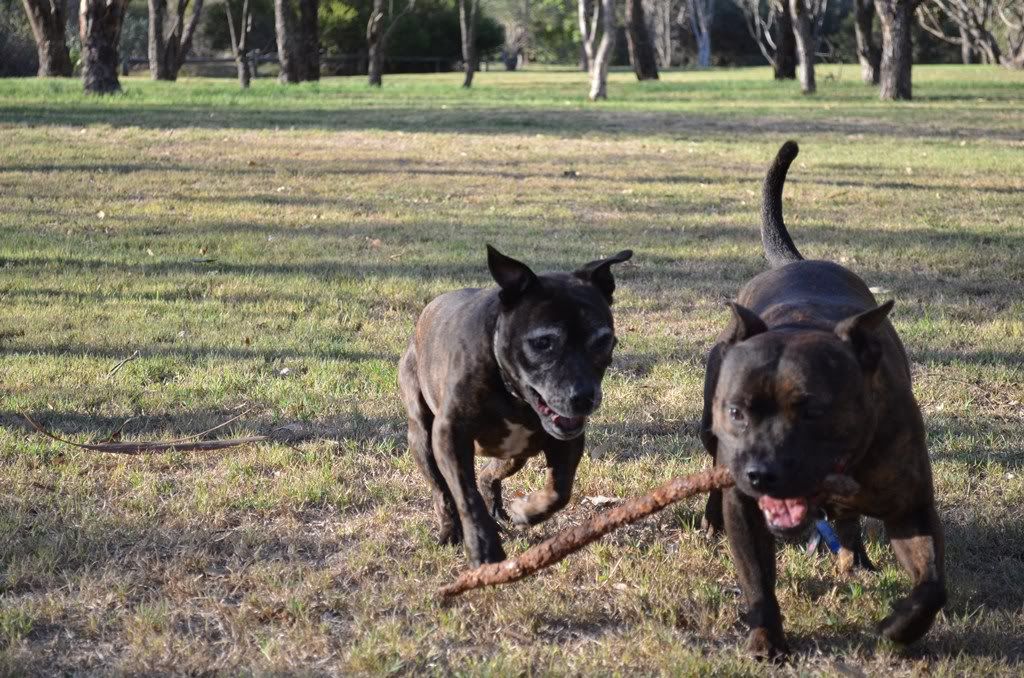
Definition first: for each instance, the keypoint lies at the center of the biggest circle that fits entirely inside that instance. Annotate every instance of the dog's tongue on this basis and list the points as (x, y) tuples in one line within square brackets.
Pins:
[(783, 513)]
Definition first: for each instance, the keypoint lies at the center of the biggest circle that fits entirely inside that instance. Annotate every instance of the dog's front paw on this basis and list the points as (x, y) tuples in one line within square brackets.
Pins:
[(911, 618), (713, 522), (488, 553), (519, 513), (764, 644)]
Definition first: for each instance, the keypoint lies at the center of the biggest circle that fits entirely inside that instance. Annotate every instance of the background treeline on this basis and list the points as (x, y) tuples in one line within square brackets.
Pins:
[(306, 37), (538, 31), (430, 29)]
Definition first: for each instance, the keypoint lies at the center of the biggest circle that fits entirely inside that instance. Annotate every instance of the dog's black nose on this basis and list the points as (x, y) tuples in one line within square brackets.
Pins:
[(762, 477), (582, 399)]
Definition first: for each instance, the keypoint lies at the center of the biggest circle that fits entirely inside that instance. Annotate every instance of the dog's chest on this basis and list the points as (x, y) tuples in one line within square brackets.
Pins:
[(506, 441)]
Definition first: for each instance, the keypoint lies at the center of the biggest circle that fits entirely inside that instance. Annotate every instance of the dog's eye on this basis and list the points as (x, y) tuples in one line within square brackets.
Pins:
[(541, 344), (736, 415), (604, 344)]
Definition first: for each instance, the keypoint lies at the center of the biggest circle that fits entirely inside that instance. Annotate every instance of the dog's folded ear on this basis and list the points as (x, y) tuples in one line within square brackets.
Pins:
[(745, 324), (859, 332), (513, 277), (599, 272)]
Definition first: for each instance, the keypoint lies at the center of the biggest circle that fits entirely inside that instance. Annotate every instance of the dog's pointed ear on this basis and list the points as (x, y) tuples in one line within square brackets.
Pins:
[(745, 324), (859, 332), (513, 277), (599, 272)]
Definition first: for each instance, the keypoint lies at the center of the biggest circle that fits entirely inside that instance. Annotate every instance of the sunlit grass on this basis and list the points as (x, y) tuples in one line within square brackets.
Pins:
[(267, 253)]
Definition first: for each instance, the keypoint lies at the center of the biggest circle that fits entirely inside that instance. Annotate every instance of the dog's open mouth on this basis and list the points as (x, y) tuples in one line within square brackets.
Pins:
[(564, 424), (785, 514)]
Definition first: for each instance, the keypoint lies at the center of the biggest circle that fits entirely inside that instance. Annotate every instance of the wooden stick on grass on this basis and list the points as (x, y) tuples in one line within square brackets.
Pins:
[(554, 549)]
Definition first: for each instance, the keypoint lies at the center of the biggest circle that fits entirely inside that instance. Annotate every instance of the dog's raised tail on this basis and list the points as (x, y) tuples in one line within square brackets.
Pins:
[(778, 246)]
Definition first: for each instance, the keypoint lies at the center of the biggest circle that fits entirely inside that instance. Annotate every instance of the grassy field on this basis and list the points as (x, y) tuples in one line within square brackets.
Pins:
[(266, 254)]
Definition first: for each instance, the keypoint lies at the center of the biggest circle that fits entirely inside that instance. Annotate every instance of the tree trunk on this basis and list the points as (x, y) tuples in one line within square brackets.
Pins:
[(896, 17), (659, 19), (701, 13), (589, 18), (638, 38), (375, 37), (99, 23), (157, 19), (785, 55), (239, 42), (309, 37), (244, 72), (287, 50), (966, 53), (805, 46), (599, 69), (47, 19), (868, 53), (467, 26), (167, 53)]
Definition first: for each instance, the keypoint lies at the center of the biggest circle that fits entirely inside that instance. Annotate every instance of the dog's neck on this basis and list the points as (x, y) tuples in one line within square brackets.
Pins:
[(506, 380)]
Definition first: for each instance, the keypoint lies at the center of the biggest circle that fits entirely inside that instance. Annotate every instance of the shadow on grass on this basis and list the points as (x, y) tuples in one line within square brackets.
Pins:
[(486, 120)]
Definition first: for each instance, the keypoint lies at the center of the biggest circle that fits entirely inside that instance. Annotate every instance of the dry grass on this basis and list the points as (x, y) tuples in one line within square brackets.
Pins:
[(275, 268)]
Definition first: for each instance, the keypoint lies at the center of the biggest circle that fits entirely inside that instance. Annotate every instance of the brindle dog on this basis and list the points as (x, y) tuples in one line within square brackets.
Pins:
[(811, 379), (507, 373)]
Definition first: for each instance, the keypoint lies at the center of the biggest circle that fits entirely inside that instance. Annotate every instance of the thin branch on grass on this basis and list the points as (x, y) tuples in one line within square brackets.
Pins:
[(554, 549), (281, 434), (116, 368)]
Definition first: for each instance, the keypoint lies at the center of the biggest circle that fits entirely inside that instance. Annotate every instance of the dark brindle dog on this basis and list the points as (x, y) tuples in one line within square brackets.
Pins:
[(507, 373), (811, 379)]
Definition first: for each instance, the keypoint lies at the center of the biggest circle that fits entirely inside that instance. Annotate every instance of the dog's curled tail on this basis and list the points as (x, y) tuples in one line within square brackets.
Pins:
[(778, 246)]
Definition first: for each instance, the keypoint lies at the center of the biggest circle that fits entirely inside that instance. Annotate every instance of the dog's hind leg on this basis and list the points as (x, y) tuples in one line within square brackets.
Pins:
[(563, 457), (421, 420), (489, 483), (852, 553), (917, 540)]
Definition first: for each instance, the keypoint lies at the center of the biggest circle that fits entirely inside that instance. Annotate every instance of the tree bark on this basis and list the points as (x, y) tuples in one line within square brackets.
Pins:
[(966, 53), (375, 44), (157, 18), (167, 53), (239, 41), (896, 17), (589, 14), (47, 19), (99, 23), (868, 53), (659, 19), (603, 57), (785, 55), (298, 39), (467, 27), (805, 46), (309, 36), (638, 39), (701, 13)]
